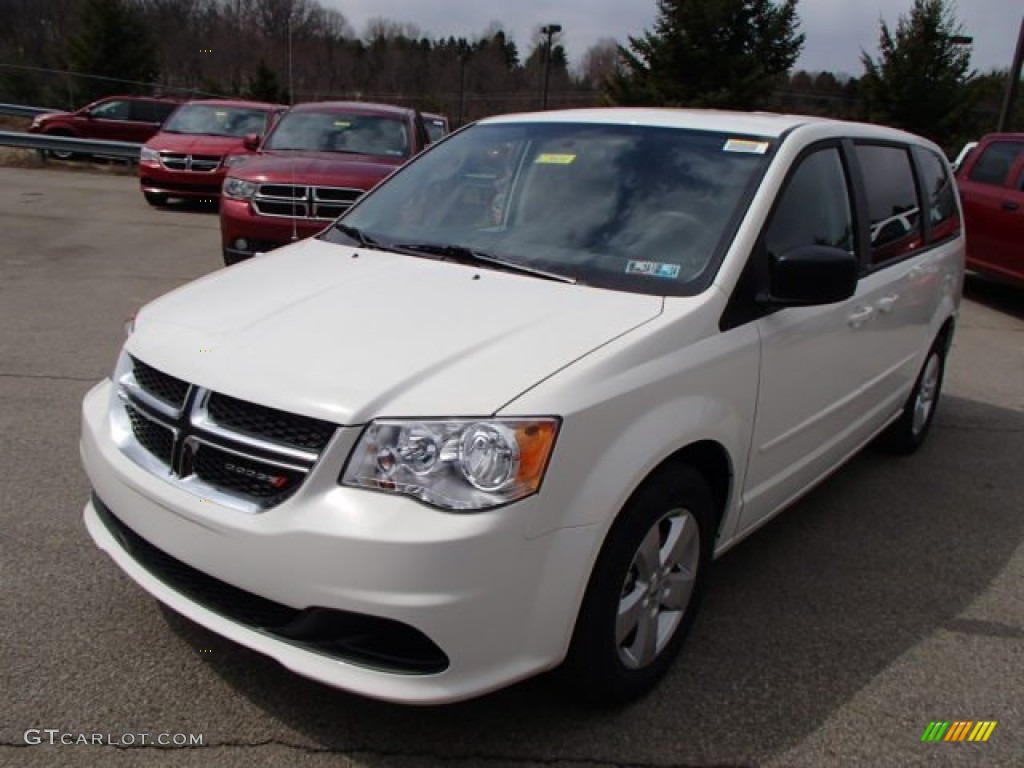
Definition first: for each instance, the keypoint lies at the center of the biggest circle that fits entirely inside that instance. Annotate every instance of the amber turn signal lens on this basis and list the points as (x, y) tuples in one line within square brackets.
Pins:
[(535, 443)]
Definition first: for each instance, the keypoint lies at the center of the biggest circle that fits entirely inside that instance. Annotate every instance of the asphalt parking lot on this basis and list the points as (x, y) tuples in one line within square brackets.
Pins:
[(891, 597)]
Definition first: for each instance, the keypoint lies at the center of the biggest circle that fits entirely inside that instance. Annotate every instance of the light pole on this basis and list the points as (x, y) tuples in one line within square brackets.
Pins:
[(549, 30), (464, 51), (1012, 80)]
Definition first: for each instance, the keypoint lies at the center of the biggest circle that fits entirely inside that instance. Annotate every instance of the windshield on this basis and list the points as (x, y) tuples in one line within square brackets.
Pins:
[(629, 207), (216, 120), (340, 132)]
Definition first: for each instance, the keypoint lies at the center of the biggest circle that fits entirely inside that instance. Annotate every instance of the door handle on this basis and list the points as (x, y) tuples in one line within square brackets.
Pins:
[(1010, 205), (859, 316), (886, 303)]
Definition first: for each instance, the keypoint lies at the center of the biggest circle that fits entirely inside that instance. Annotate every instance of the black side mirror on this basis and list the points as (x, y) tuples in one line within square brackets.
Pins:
[(251, 141), (811, 275)]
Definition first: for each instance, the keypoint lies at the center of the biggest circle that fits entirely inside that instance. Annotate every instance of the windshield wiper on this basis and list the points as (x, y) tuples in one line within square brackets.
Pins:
[(473, 257), (359, 236)]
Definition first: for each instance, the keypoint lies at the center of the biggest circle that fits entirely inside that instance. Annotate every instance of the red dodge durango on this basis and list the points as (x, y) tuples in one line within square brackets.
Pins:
[(186, 159), (315, 163)]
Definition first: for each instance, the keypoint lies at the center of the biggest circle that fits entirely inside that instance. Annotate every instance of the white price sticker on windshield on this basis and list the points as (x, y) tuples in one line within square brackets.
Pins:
[(746, 146)]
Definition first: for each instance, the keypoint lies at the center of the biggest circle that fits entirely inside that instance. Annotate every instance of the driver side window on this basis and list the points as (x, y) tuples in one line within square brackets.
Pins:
[(112, 110), (814, 208)]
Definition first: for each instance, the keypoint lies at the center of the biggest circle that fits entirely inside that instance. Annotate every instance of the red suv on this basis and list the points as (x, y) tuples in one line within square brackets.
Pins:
[(117, 118), (186, 159), (991, 182), (317, 161)]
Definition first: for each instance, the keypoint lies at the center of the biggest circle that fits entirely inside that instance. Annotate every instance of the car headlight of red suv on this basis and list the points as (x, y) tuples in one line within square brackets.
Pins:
[(239, 189)]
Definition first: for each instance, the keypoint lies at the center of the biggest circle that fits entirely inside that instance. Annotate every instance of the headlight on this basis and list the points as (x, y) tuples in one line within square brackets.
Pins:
[(237, 189), (464, 464), (149, 155)]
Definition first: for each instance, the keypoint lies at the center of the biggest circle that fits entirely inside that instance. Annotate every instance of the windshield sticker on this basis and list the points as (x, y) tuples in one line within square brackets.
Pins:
[(652, 269), (342, 124), (746, 146), (551, 158)]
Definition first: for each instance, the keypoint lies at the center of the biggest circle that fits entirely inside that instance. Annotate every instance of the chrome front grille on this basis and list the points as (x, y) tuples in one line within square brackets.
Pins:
[(304, 202), (176, 161), (238, 453)]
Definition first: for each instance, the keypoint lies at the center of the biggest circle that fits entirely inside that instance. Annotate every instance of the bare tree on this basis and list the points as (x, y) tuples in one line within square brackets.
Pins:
[(600, 62)]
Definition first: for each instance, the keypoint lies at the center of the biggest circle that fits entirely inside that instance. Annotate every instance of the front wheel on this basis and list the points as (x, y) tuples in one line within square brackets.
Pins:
[(61, 154), (907, 433), (645, 589)]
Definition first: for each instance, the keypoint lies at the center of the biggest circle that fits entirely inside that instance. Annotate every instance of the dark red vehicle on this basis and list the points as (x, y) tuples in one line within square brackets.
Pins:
[(186, 158), (991, 182), (116, 118), (318, 160)]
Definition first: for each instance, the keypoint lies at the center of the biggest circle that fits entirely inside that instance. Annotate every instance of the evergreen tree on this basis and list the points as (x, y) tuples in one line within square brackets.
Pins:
[(709, 53), (264, 86), (920, 81), (112, 42)]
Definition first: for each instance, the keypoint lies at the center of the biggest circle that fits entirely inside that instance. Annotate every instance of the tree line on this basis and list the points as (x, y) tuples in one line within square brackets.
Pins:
[(705, 53)]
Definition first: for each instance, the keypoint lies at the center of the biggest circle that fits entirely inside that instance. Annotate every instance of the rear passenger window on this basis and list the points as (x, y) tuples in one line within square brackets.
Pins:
[(814, 208), (143, 111), (893, 208), (161, 111), (943, 216), (994, 163)]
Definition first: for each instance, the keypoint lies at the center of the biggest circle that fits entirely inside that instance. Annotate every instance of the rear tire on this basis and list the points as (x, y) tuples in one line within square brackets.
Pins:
[(156, 199), (645, 589), (907, 434)]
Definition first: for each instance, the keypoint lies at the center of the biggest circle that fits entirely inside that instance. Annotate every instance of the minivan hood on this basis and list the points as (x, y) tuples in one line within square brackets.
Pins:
[(327, 168), (194, 142), (347, 335)]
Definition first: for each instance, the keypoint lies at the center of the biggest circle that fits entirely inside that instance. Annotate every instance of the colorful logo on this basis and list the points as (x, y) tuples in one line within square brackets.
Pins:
[(958, 730)]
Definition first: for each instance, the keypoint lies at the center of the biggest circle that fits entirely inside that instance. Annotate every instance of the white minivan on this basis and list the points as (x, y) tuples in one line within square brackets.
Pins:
[(503, 414)]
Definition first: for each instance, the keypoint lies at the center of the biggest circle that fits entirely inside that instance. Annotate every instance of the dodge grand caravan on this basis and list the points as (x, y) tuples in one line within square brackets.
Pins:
[(118, 118), (502, 416)]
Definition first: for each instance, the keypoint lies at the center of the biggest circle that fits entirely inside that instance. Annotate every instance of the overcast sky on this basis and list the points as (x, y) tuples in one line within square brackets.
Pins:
[(836, 30)]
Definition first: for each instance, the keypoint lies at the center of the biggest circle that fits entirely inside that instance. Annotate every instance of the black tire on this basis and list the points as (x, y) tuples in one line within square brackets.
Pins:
[(65, 156), (907, 434), (156, 199), (233, 258), (607, 664)]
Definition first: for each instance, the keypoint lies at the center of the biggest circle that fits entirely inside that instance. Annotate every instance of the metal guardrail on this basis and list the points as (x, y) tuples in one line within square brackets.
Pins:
[(17, 110), (96, 147)]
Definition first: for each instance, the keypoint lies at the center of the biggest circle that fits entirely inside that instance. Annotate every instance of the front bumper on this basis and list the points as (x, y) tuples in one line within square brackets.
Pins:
[(245, 233), (153, 177), (498, 605)]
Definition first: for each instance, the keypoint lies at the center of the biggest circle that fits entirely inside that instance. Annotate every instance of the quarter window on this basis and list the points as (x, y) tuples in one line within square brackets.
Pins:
[(893, 208), (943, 215), (993, 165), (815, 207)]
